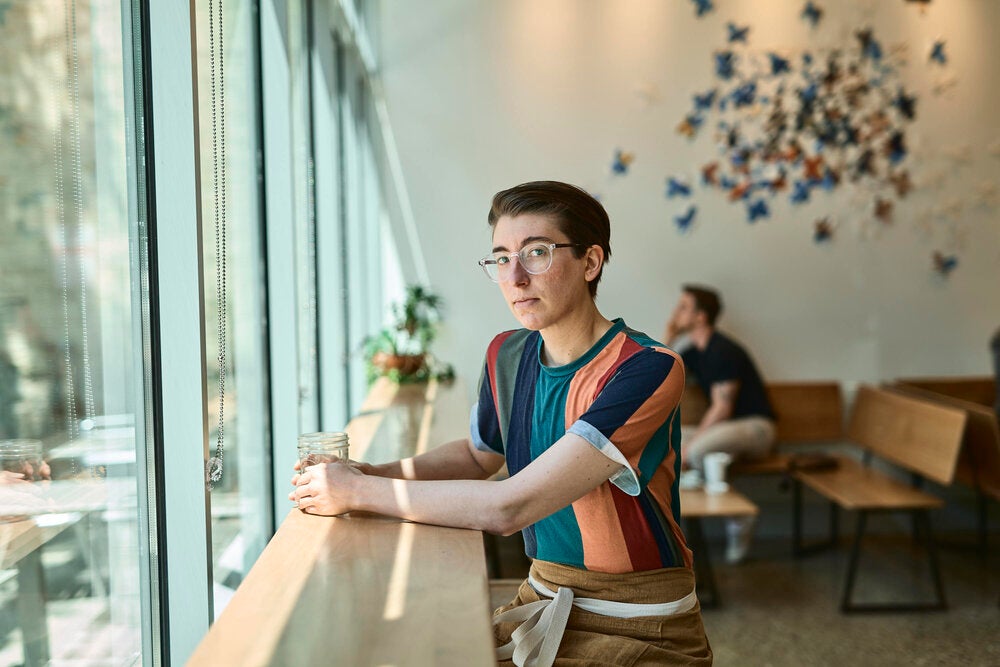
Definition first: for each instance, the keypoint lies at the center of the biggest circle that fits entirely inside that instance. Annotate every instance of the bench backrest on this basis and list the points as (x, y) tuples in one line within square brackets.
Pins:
[(918, 435), (979, 460), (973, 388), (694, 403), (805, 411)]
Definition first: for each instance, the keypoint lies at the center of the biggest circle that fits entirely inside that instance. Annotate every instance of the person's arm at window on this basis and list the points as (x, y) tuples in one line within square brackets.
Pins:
[(457, 459), (568, 470)]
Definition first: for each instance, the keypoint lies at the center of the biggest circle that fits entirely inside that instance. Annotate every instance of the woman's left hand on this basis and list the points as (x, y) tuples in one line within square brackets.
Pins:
[(324, 488)]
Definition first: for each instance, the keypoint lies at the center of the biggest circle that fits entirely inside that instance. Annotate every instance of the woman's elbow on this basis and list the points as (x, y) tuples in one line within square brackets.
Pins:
[(507, 519)]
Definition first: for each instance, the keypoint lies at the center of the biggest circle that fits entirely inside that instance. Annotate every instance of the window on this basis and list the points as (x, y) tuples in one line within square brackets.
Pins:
[(75, 581)]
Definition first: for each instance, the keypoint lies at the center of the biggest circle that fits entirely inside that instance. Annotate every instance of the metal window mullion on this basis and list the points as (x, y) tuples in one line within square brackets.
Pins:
[(135, 76), (280, 233), (331, 288), (178, 351)]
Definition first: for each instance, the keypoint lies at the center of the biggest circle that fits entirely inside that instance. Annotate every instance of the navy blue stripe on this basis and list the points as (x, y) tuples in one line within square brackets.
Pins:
[(530, 543), (519, 429), (655, 521), (642, 374), (486, 414)]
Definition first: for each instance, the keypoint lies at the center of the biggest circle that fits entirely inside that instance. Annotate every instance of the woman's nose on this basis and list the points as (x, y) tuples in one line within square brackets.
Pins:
[(516, 273)]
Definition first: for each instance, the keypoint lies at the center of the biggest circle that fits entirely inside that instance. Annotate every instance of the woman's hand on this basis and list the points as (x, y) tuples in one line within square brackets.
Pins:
[(324, 488)]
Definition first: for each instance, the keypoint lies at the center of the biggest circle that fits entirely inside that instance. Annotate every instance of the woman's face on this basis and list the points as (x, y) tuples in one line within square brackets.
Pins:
[(540, 300)]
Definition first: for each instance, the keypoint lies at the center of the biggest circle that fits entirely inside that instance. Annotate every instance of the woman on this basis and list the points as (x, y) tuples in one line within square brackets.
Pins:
[(583, 410)]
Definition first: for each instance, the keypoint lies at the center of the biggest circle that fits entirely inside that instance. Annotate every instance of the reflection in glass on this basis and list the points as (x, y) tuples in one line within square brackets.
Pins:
[(70, 554)]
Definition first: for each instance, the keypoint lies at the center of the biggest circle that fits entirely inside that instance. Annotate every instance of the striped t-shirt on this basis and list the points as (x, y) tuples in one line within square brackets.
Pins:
[(621, 396)]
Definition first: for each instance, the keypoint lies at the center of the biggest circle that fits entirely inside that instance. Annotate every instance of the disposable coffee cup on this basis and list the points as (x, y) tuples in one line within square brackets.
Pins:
[(322, 447), (715, 465)]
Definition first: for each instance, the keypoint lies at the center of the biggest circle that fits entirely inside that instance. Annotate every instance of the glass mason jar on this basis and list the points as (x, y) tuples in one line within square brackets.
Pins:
[(22, 457), (322, 447)]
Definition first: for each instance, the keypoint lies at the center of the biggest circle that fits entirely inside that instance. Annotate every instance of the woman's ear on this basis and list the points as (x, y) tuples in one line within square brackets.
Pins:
[(595, 261)]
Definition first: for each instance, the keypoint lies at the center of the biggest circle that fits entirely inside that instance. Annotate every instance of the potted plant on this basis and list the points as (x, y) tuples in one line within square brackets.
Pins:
[(399, 350)]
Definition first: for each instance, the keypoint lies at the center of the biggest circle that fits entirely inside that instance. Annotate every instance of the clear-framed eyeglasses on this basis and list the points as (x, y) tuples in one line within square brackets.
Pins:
[(535, 258)]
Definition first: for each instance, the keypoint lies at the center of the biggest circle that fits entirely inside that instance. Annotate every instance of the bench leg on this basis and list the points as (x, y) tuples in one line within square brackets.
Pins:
[(708, 593), (922, 524), (984, 539), (799, 548)]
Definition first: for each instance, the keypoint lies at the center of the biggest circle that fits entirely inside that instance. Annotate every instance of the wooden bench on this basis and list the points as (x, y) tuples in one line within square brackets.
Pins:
[(805, 413), (697, 505), (363, 589), (918, 437), (979, 389), (979, 460)]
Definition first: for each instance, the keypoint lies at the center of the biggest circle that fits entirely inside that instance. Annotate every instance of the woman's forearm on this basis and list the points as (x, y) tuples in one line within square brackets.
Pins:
[(452, 460)]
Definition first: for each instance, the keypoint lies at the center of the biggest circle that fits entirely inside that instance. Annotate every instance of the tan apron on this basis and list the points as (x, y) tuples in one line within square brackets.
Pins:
[(564, 615)]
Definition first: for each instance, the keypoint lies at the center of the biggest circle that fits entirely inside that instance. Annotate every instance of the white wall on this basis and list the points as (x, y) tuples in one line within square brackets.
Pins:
[(487, 94)]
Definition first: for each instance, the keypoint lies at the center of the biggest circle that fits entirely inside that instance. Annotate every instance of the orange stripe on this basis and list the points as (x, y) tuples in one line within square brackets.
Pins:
[(583, 386), (604, 547)]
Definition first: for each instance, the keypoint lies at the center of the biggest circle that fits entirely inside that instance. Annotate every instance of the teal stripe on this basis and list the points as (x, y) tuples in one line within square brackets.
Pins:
[(559, 539)]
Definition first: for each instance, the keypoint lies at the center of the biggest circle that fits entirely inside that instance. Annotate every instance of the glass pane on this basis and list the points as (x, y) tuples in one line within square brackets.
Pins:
[(304, 211), (241, 499), (72, 556)]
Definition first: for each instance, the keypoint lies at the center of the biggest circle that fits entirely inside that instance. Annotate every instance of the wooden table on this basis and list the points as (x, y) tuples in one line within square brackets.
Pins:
[(23, 533), (363, 589), (696, 505)]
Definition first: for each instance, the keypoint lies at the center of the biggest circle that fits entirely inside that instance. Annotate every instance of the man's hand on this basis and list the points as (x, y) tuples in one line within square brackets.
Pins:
[(673, 330)]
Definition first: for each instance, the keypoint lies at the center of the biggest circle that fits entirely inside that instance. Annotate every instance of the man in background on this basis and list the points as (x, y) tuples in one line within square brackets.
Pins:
[(739, 420)]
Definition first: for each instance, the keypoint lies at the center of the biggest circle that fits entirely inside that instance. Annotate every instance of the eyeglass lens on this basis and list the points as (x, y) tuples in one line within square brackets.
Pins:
[(535, 258)]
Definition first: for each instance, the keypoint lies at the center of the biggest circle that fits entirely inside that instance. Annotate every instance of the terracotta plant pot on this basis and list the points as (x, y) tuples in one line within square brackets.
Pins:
[(406, 364)]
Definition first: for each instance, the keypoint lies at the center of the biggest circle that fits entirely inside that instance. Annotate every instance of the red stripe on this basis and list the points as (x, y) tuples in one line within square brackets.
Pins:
[(492, 352), (629, 347), (639, 540)]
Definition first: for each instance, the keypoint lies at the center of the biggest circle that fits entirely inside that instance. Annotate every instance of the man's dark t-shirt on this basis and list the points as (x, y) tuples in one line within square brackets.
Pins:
[(723, 360)]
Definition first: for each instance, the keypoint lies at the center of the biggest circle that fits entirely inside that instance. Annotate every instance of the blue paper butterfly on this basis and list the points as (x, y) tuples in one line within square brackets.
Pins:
[(905, 103), (703, 6), (823, 231), (870, 48), (705, 100), (896, 147), (800, 192), (744, 95), (724, 63), (684, 220), (944, 265), (737, 33), (757, 209), (938, 54), (812, 13), (621, 162), (778, 64), (808, 94), (677, 188)]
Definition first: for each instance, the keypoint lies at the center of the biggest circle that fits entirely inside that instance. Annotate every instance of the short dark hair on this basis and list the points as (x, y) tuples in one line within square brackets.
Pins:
[(706, 300), (578, 214)]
